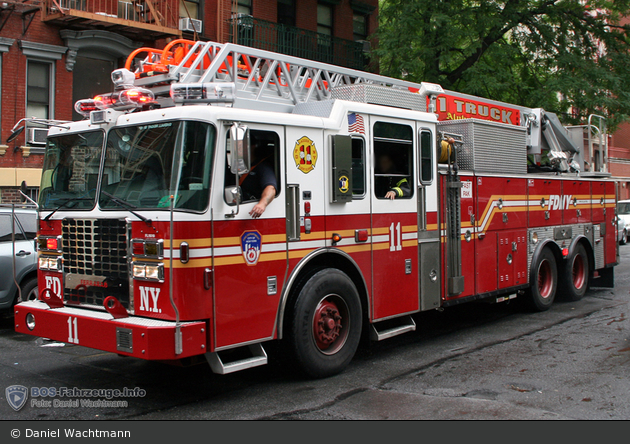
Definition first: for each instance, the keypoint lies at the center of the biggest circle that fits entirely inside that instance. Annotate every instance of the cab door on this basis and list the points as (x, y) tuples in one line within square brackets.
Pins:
[(394, 221), (428, 231), (250, 254)]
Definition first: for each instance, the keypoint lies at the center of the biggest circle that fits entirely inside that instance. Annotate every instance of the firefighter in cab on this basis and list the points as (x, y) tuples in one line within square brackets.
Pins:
[(390, 184)]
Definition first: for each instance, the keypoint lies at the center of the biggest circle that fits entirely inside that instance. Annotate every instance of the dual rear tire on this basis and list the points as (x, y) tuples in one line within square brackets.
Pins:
[(569, 279)]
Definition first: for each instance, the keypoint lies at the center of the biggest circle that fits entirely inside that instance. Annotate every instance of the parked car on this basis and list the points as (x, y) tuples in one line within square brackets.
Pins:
[(25, 225), (623, 212), (622, 231)]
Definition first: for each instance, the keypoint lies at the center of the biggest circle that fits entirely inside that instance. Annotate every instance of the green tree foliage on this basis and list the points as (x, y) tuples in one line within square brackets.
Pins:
[(553, 54)]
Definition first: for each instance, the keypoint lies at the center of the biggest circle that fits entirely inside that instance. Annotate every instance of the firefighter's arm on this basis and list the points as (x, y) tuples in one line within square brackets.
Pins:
[(268, 194), (402, 189)]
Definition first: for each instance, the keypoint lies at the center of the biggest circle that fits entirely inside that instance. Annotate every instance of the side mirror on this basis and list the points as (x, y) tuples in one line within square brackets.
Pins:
[(23, 190), (16, 132), (240, 160), (233, 195)]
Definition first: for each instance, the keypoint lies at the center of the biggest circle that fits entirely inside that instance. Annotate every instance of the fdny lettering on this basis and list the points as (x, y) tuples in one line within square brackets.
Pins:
[(559, 202), (53, 284), (154, 293)]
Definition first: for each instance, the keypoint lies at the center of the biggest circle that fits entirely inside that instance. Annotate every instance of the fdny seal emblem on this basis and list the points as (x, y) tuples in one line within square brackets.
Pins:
[(344, 184), (16, 396), (305, 155), (251, 244)]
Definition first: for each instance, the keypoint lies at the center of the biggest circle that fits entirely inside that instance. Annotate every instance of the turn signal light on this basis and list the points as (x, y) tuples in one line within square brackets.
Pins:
[(336, 238), (49, 243)]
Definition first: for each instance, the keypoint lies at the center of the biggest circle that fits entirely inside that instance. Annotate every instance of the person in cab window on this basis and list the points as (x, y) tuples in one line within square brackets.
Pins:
[(389, 183), (260, 183)]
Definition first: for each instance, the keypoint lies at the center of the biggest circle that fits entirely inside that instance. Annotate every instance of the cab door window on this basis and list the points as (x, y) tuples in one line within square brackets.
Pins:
[(265, 166), (393, 154)]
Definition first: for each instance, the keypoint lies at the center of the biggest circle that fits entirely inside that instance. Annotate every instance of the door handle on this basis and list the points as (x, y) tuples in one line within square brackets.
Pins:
[(22, 253)]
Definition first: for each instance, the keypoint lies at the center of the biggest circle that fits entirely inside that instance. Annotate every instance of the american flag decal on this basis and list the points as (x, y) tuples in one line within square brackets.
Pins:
[(355, 123)]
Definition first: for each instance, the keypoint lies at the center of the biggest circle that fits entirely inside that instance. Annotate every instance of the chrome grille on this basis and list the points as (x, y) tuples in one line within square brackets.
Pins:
[(95, 261)]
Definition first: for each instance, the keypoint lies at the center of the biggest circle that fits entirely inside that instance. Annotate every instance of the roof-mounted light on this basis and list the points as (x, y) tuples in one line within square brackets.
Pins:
[(203, 93), (125, 100), (85, 107), (123, 78)]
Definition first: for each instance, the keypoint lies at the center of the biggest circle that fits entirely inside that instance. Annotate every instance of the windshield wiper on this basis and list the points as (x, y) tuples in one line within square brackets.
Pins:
[(64, 203), (127, 205)]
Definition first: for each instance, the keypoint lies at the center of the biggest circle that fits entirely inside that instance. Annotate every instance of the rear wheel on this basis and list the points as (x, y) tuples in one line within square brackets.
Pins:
[(325, 326), (575, 275), (543, 281)]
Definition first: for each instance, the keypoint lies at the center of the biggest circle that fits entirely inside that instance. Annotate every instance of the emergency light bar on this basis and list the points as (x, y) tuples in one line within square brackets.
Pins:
[(128, 99), (203, 93)]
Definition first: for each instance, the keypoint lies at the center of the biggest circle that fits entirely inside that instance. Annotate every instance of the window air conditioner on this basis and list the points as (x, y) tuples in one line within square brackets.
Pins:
[(190, 25), (36, 136), (367, 46)]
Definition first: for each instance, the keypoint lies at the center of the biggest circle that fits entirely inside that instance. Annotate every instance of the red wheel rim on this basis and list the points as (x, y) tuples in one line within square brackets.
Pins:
[(545, 279), (330, 324), (579, 272)]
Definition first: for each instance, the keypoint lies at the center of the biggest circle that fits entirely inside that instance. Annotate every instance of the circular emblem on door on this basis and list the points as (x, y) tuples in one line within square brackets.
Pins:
[(305, 155)]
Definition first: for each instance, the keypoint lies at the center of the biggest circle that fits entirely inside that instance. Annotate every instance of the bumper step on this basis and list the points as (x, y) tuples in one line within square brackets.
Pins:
[(258, 357), (400, 325)]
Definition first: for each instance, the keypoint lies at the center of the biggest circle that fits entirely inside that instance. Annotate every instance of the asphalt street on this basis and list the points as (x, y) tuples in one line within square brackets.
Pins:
[(474, 361)]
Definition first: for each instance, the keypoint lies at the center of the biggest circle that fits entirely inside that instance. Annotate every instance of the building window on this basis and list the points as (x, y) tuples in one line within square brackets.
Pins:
[(286, 12), (39, 89), (189, 9), (359, 26), (244, 7), (325, 19)]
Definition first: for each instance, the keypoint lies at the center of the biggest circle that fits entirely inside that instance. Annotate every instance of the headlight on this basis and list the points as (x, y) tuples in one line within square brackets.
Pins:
[(50, 263), (148, 272)]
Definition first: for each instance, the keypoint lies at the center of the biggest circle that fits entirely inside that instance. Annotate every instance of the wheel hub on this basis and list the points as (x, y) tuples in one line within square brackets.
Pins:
[(326, 324)]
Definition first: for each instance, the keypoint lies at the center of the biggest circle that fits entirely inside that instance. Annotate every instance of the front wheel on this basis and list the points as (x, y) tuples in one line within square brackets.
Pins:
[(325, 325), (575, 275), (543, 281)]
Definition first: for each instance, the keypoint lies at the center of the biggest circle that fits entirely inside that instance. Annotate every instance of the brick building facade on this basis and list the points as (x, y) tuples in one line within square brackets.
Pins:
[(619, 159), (55, 52)]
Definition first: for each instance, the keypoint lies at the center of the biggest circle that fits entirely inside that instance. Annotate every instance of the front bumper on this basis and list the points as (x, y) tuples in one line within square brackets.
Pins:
[(144, 338)]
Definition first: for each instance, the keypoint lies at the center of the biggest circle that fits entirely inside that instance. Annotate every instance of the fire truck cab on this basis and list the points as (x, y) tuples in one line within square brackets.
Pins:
[(389, 198)]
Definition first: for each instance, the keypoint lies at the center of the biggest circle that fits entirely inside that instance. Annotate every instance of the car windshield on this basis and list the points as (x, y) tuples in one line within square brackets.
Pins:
[(623, 208), (70, 172), (140, 161)]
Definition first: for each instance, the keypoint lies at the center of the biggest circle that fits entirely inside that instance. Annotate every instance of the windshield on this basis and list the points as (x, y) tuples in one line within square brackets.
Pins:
[(623, 208), (70, 172), (140, 161)]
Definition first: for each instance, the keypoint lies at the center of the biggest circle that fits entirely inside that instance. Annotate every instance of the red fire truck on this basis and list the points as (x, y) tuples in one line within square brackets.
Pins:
[(387, 198)]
